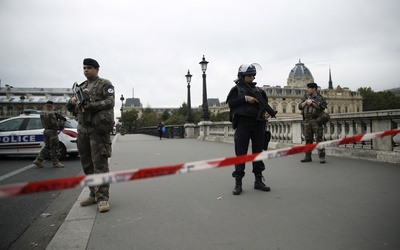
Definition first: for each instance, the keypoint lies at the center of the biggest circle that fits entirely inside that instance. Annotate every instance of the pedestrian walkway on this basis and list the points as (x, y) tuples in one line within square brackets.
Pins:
[(343, 204)]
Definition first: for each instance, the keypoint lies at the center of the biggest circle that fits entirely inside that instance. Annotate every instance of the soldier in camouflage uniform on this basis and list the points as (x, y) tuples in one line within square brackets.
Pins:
[(95, 122), (50, 124), (311, 106)]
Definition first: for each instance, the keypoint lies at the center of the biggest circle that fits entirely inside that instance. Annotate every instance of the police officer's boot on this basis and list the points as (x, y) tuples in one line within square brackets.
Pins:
[(238, 186), (307, 158), (259, 184)]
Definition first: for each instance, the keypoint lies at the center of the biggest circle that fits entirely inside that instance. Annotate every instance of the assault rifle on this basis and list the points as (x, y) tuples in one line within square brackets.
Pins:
[(321, 103), (264, 106), (80, 95), (60, 117)]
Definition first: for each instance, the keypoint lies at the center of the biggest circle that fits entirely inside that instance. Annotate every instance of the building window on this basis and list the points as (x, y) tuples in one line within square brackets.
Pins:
[(332, 109), (339, 110), (284, 109), (346, 110), (358, 109), (293, 109)]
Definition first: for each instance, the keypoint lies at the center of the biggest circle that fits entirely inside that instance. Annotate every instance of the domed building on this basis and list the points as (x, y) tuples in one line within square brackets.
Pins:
[(285, 99), (299, 76)]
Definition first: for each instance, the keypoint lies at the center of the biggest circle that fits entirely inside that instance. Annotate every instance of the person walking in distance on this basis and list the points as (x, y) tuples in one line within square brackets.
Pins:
[(51, 125), (248, 119), (95, 122), (311, 106), (160, 128)]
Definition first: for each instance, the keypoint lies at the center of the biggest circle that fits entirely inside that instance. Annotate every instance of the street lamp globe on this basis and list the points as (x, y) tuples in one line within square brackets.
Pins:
[(188, 77), (203, 64)]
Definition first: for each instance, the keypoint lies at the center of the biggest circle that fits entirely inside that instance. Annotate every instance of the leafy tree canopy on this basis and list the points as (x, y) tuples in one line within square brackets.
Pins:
[(381, 100)]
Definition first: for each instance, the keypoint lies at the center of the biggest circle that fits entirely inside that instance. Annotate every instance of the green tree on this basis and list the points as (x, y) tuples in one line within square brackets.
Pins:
[(130, 119), (165, 115), (176, 119), (148, 119), (224, 116), (381, 100), (178, 116)]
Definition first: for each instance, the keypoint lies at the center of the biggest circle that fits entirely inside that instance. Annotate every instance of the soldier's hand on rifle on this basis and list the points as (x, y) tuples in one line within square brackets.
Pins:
[(266, 116), (250, 99), (73, 100), (309, 101)]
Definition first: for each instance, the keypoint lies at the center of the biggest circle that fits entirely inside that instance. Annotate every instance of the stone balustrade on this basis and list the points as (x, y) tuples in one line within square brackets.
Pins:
[(288, 132)]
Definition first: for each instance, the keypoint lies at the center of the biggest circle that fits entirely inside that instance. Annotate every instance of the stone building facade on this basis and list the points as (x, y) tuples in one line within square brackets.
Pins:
[(14, 100), (285, 99)]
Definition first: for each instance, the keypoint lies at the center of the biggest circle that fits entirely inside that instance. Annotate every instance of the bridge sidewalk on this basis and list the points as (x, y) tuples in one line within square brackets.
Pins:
[(343, 204)]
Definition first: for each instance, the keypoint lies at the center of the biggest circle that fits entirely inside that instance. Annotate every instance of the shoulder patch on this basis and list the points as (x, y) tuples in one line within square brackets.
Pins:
[(110, 90)]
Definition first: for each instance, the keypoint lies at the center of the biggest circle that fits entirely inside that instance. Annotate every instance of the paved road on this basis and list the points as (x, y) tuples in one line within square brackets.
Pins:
[(344, 204), (21, 226)]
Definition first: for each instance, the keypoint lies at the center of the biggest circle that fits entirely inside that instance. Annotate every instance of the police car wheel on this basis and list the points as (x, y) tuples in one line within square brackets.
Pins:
[(63, 151), (73, 155)]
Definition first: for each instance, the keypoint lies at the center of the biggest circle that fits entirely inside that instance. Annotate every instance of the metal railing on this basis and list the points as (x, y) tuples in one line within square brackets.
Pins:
[(171, 131), (288, 131)]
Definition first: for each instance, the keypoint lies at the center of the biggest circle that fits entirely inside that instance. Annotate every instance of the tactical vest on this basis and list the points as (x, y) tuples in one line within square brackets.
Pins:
[(103, 120), (248, 109), (49, 120), (309, 111)]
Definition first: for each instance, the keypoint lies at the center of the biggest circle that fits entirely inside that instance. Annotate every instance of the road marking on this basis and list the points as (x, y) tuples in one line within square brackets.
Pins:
[(16, 172)]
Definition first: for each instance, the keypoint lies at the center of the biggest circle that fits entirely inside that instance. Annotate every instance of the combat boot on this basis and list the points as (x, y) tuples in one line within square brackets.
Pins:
[(238, 186), (38, 163), (307, 158), (88, 201), (322, 159), (259, 184), (104, 206), (58, 165)]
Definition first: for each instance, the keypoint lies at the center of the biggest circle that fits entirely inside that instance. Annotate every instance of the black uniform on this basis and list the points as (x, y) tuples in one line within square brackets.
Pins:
[(249, 125)]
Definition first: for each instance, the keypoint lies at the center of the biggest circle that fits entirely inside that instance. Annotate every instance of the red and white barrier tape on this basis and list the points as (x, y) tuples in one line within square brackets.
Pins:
[(134, 174)]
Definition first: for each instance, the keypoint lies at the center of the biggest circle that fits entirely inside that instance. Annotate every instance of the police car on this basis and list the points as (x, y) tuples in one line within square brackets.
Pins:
[(23, 135)]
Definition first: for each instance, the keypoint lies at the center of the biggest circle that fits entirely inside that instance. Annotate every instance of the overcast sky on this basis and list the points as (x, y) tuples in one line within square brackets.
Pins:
[(149, 45)]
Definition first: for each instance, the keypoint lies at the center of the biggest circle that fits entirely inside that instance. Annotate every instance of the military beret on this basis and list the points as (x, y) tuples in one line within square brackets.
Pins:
[(50, 102), (91, 62), (312, 85)]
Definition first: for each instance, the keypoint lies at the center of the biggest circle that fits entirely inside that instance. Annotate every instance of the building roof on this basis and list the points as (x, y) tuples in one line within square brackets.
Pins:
[(17, 90), (300, 71), (133, 102), (213, 102)]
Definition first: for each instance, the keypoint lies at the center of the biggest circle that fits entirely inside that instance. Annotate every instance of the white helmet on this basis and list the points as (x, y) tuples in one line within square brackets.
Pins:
[(248, 69)]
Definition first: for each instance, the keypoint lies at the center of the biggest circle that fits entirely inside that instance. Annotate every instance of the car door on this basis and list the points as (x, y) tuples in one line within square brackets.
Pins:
[(31, 137), (9, 131)]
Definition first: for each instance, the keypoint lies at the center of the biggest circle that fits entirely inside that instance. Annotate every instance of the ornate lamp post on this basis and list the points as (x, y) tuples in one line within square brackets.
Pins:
[(189, 118), (205, 116), (122, 132), (22, 98)]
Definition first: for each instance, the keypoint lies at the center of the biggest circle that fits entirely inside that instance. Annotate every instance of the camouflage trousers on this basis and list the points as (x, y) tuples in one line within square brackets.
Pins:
[(94, 150), (311, 129), (50, 146)]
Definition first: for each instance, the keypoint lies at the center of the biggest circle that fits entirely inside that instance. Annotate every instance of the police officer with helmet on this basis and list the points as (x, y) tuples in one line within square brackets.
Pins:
[(95, 122), (248, 120), (311, 106)]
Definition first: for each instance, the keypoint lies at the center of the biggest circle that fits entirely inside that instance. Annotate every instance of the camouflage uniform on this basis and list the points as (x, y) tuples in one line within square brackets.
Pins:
[(310, 125), (94, 146), (51, 125)]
